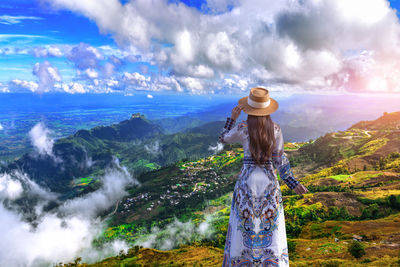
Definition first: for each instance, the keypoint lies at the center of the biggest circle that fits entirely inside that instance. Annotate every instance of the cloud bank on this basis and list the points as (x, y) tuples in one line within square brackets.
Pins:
[(59, 235), (177, 233), (345, 45)]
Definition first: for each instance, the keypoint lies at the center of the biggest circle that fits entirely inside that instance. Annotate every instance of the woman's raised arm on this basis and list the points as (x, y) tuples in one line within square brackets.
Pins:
[(230, 133)]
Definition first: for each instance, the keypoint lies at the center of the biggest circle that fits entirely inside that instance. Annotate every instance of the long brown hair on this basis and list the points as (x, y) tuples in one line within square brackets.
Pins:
[(262, 137)]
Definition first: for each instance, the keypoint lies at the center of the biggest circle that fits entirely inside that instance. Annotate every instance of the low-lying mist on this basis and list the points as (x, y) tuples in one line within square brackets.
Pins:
[(63, 233)]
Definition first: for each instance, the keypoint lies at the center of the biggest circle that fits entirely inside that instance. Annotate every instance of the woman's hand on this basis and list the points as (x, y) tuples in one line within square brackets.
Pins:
[(236, 111), (300, 189)]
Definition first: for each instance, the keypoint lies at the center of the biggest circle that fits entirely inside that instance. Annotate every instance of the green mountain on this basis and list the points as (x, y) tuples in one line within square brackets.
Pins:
[(83, 153), (140, 144), (136, 128)]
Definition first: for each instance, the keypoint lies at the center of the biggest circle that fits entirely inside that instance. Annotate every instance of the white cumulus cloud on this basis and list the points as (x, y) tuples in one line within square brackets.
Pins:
[(42, 141), (30, 85), (84, 56), (91, 73), (137, 79), (51, 51), (47, 75), (9, 188), (73, 88), (286, 44)]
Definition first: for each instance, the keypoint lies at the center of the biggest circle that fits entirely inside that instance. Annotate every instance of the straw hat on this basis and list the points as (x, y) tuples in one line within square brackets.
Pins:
[(258, 103)]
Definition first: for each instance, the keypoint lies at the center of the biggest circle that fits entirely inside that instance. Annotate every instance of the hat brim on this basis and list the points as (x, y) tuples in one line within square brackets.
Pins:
[(272, 107)]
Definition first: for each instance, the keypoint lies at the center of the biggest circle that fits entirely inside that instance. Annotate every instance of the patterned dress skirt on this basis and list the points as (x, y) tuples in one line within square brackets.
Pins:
[(256, 233)]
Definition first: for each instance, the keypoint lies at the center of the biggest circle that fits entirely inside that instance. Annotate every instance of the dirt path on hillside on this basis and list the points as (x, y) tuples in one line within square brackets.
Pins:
[(351, 136)]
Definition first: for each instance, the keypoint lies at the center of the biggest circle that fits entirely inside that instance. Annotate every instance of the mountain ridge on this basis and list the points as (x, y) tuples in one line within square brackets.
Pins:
[(126, 130), (389, 121)]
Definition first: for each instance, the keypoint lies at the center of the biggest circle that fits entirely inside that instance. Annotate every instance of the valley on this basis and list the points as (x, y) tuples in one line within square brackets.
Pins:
[(178, 215)]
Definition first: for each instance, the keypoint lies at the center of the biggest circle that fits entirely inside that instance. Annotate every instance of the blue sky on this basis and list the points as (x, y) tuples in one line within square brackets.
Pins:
[(157, 60)]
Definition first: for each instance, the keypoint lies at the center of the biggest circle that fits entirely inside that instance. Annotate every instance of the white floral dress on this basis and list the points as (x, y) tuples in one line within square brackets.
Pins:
[(256, 233)]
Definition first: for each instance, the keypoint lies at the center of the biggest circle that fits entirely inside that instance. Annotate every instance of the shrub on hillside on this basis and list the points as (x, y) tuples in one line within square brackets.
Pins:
[(331, 263), (370, 212), (356, 249), (394, 201), (291, 247)]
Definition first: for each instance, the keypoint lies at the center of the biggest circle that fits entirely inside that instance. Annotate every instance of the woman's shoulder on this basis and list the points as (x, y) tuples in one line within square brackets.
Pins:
[(243, 124)]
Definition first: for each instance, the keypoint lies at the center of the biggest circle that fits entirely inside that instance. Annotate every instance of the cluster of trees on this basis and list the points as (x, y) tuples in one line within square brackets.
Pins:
[(327, 188), (381, 164), (298, 217), (394, 201), (380, 207)]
